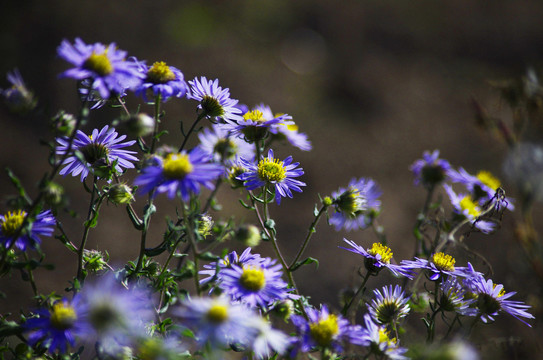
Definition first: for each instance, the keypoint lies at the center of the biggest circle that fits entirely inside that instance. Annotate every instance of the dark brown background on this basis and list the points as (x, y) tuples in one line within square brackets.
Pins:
[(373, 84)]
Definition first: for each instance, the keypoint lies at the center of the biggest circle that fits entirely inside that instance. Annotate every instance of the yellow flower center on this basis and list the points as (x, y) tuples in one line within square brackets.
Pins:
[(62, 316), (255, 115), (177, 166), (488, 179), (467, 204), (502, 291), (217, 314), (324, 331), (252, 278), (12, 222), (443, 261), (99, 63), (271, 170), (384, 251), (160, 73), (150, 349)]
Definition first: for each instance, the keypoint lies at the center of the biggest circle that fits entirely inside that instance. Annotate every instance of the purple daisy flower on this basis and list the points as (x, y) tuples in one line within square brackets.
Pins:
[(58, 327), (469, 209), (482, 186), (377, 258), (430, 170), (378, 339), (257, 283), (453, 298), (439, 266), (214, 268), (161, 79), (267, 340), (271, 171), (10, 224), (223, 146), (217, 321), (492, 299), (322, 329), (292, 135), (18, 98), (105, 65), (256, 123), (215, 102), (115, 313), (99, 150), (389, 306), (357, 205), (179, 173)]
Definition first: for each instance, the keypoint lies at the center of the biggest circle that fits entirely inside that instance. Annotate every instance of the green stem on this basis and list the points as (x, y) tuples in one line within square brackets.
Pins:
[(143, 238), (31, 275), (346, 307), (158, 99), (310, 232), (191, 130), (93, 211), (83, 115), (194, 248)]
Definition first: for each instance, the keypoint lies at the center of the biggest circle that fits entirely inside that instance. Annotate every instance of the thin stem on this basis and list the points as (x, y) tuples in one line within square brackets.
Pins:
[(346, 307), (93, 212), (194, 248), (191, 130), (83, 114), (310, 232), (31, 275), (158, 99)]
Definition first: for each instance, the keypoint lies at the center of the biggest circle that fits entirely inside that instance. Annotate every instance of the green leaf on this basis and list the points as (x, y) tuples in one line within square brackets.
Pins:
[(307, 261), (208, 256)]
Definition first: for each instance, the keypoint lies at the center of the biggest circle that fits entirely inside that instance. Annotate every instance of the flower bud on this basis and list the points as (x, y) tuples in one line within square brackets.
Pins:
[(63, 124), (205, 225), (140, 124), (53, 194), (94, 260), (120, 194), (249, 235)]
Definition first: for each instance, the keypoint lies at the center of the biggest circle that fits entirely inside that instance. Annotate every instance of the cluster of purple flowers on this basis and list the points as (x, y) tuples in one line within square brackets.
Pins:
[(483, 189), (116, 313)]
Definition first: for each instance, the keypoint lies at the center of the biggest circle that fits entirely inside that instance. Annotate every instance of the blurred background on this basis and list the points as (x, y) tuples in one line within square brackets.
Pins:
[(372, 83)]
